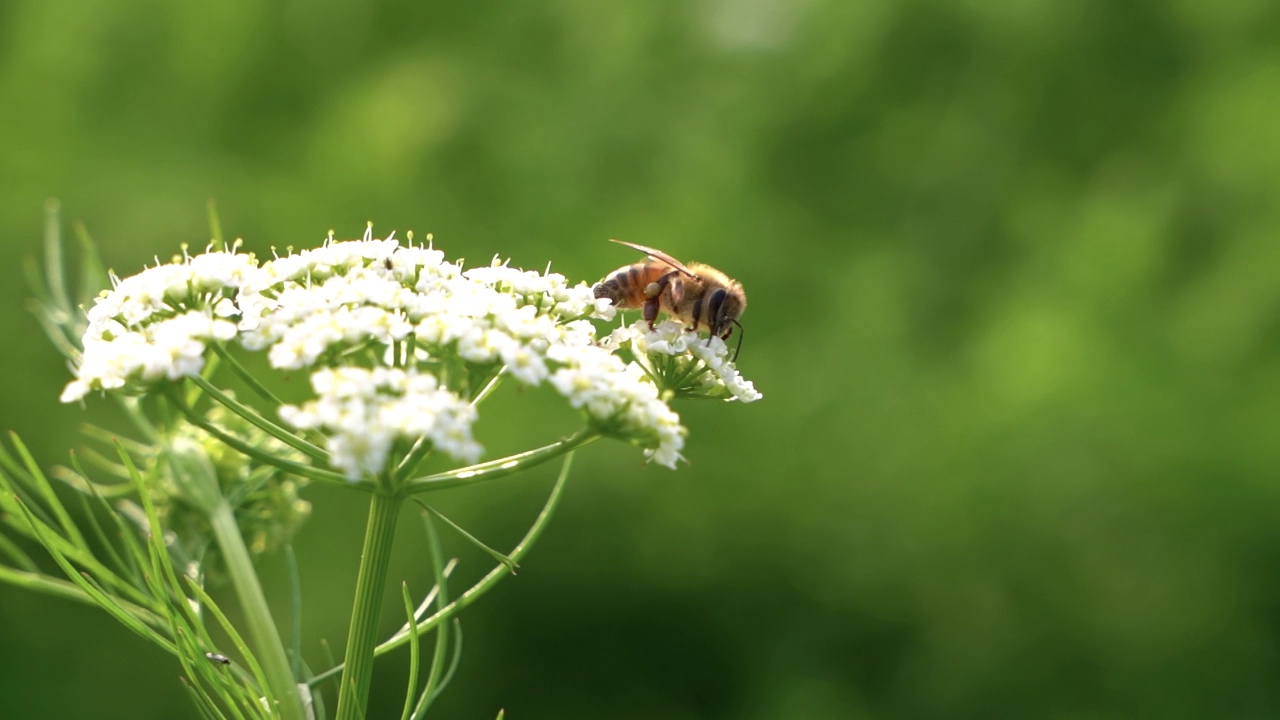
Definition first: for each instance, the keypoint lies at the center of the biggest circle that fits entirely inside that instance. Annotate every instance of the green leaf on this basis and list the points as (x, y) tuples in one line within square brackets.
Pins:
[(46, 492), (442, 635), (94, 591), (411, 686), (469, 537), (216, 243), (94, 277)]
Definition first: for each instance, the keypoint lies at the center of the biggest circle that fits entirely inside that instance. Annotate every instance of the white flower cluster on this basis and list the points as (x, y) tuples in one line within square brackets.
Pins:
[(619, 397), (302, 307), (347, 305), (156, 324), (703, 358), (363, 412)]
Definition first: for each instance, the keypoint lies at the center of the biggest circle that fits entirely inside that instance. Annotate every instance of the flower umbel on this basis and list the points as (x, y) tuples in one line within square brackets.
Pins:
[(684, 363), (364, 412), (399, 341), (157, 324)]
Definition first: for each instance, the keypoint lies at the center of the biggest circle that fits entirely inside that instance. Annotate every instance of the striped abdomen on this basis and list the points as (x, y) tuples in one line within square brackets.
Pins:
[(625, 286)]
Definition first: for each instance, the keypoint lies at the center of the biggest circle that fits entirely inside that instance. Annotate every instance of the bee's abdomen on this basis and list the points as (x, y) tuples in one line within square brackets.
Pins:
[(611, 288), (607, 288), (625, 286)]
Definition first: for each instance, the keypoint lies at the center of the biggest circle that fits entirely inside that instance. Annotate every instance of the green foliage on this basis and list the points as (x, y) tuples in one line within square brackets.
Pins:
[(136, 584)]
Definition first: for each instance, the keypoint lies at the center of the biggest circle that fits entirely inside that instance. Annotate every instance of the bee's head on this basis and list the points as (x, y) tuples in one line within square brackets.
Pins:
[(724, 307)]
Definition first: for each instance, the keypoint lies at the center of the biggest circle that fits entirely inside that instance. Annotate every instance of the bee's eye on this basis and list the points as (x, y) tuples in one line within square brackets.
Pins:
[(715, 304)]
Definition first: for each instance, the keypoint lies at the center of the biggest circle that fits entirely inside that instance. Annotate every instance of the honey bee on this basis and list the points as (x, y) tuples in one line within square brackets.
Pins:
[(695, 295)]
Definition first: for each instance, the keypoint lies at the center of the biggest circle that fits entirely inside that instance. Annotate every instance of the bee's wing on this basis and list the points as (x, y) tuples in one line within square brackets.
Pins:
[(657, 255)]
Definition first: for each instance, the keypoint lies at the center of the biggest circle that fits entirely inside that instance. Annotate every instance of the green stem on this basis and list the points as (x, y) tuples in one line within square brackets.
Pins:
[(262, 423), (245, 376), (353, 696), (307, 471), (480, 588), (494, 469), (262, 628)]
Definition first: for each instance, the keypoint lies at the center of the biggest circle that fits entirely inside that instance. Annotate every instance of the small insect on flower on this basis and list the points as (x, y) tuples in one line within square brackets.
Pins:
[(695, 294), (218, 658)]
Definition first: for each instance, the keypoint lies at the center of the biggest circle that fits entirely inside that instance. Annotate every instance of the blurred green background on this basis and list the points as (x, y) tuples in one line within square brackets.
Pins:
[(1014, 310)]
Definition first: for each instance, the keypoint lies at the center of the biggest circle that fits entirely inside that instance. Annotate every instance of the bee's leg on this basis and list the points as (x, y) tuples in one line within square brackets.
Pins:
[(651, 309), (653, 295)]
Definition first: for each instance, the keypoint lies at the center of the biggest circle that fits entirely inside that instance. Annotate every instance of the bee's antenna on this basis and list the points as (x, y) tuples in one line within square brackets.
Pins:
[(738, 349)]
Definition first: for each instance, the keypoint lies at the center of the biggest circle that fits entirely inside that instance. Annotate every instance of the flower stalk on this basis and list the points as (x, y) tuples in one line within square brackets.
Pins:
[(375, 558), (193, 472), (262, 628)]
